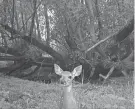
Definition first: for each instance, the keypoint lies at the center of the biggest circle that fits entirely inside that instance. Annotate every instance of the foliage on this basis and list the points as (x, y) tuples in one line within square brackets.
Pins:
[(33, 53), (69, 20)]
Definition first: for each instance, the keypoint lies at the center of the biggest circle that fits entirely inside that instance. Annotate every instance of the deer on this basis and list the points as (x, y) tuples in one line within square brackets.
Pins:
[(68, 100)]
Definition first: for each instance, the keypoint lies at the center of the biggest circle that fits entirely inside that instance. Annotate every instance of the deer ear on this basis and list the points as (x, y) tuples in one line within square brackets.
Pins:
[(57, 69), (77, 71)]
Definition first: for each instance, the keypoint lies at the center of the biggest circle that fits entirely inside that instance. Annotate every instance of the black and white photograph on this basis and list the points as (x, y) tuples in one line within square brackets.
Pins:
[(67, 54)]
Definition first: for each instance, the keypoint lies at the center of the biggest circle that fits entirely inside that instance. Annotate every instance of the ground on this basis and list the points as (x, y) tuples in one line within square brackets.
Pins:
[(15, 93)]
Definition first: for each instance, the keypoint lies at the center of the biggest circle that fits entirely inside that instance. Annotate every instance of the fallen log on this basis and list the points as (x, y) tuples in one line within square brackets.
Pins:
[(12, 58), (10, 51), (121, 35), (37, 43)]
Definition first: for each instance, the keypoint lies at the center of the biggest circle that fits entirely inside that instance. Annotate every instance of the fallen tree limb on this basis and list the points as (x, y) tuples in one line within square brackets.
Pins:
[(11, 68), (12, 58), (31, 73), (8, 50), (124, 32), (35, 42)]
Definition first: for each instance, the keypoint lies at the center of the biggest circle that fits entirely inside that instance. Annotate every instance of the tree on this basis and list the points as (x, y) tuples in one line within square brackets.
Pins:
[(72, 32)]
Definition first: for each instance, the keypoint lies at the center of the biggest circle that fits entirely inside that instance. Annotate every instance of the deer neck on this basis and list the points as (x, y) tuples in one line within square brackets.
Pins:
[(69, 101), (68, 92), (68, 89)]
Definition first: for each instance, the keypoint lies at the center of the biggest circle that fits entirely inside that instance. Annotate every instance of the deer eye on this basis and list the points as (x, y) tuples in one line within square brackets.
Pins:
[(70, 77)]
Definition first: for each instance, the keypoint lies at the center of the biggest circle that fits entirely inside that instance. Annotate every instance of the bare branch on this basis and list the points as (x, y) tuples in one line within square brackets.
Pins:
[(129, 27)]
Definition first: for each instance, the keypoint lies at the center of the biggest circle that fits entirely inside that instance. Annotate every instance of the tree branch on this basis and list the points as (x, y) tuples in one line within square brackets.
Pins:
[(128, 28)]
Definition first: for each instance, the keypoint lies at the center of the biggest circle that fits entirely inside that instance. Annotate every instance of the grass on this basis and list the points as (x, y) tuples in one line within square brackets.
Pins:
[(15, 93)]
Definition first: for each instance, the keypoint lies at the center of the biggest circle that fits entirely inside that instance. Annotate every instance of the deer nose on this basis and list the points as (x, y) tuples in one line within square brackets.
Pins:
[(62, 82)]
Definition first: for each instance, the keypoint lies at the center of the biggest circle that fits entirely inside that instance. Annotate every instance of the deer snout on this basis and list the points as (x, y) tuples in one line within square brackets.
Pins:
[(62, 81)]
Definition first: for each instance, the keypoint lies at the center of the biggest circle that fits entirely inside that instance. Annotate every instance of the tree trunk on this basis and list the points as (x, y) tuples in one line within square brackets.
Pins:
[(35, 42)]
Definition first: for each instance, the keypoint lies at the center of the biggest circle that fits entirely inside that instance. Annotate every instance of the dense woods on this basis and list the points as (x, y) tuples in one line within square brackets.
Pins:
[(35, 34)]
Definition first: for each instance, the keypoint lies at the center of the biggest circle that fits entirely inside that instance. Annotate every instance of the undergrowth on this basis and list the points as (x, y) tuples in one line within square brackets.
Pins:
[(23, 94)]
